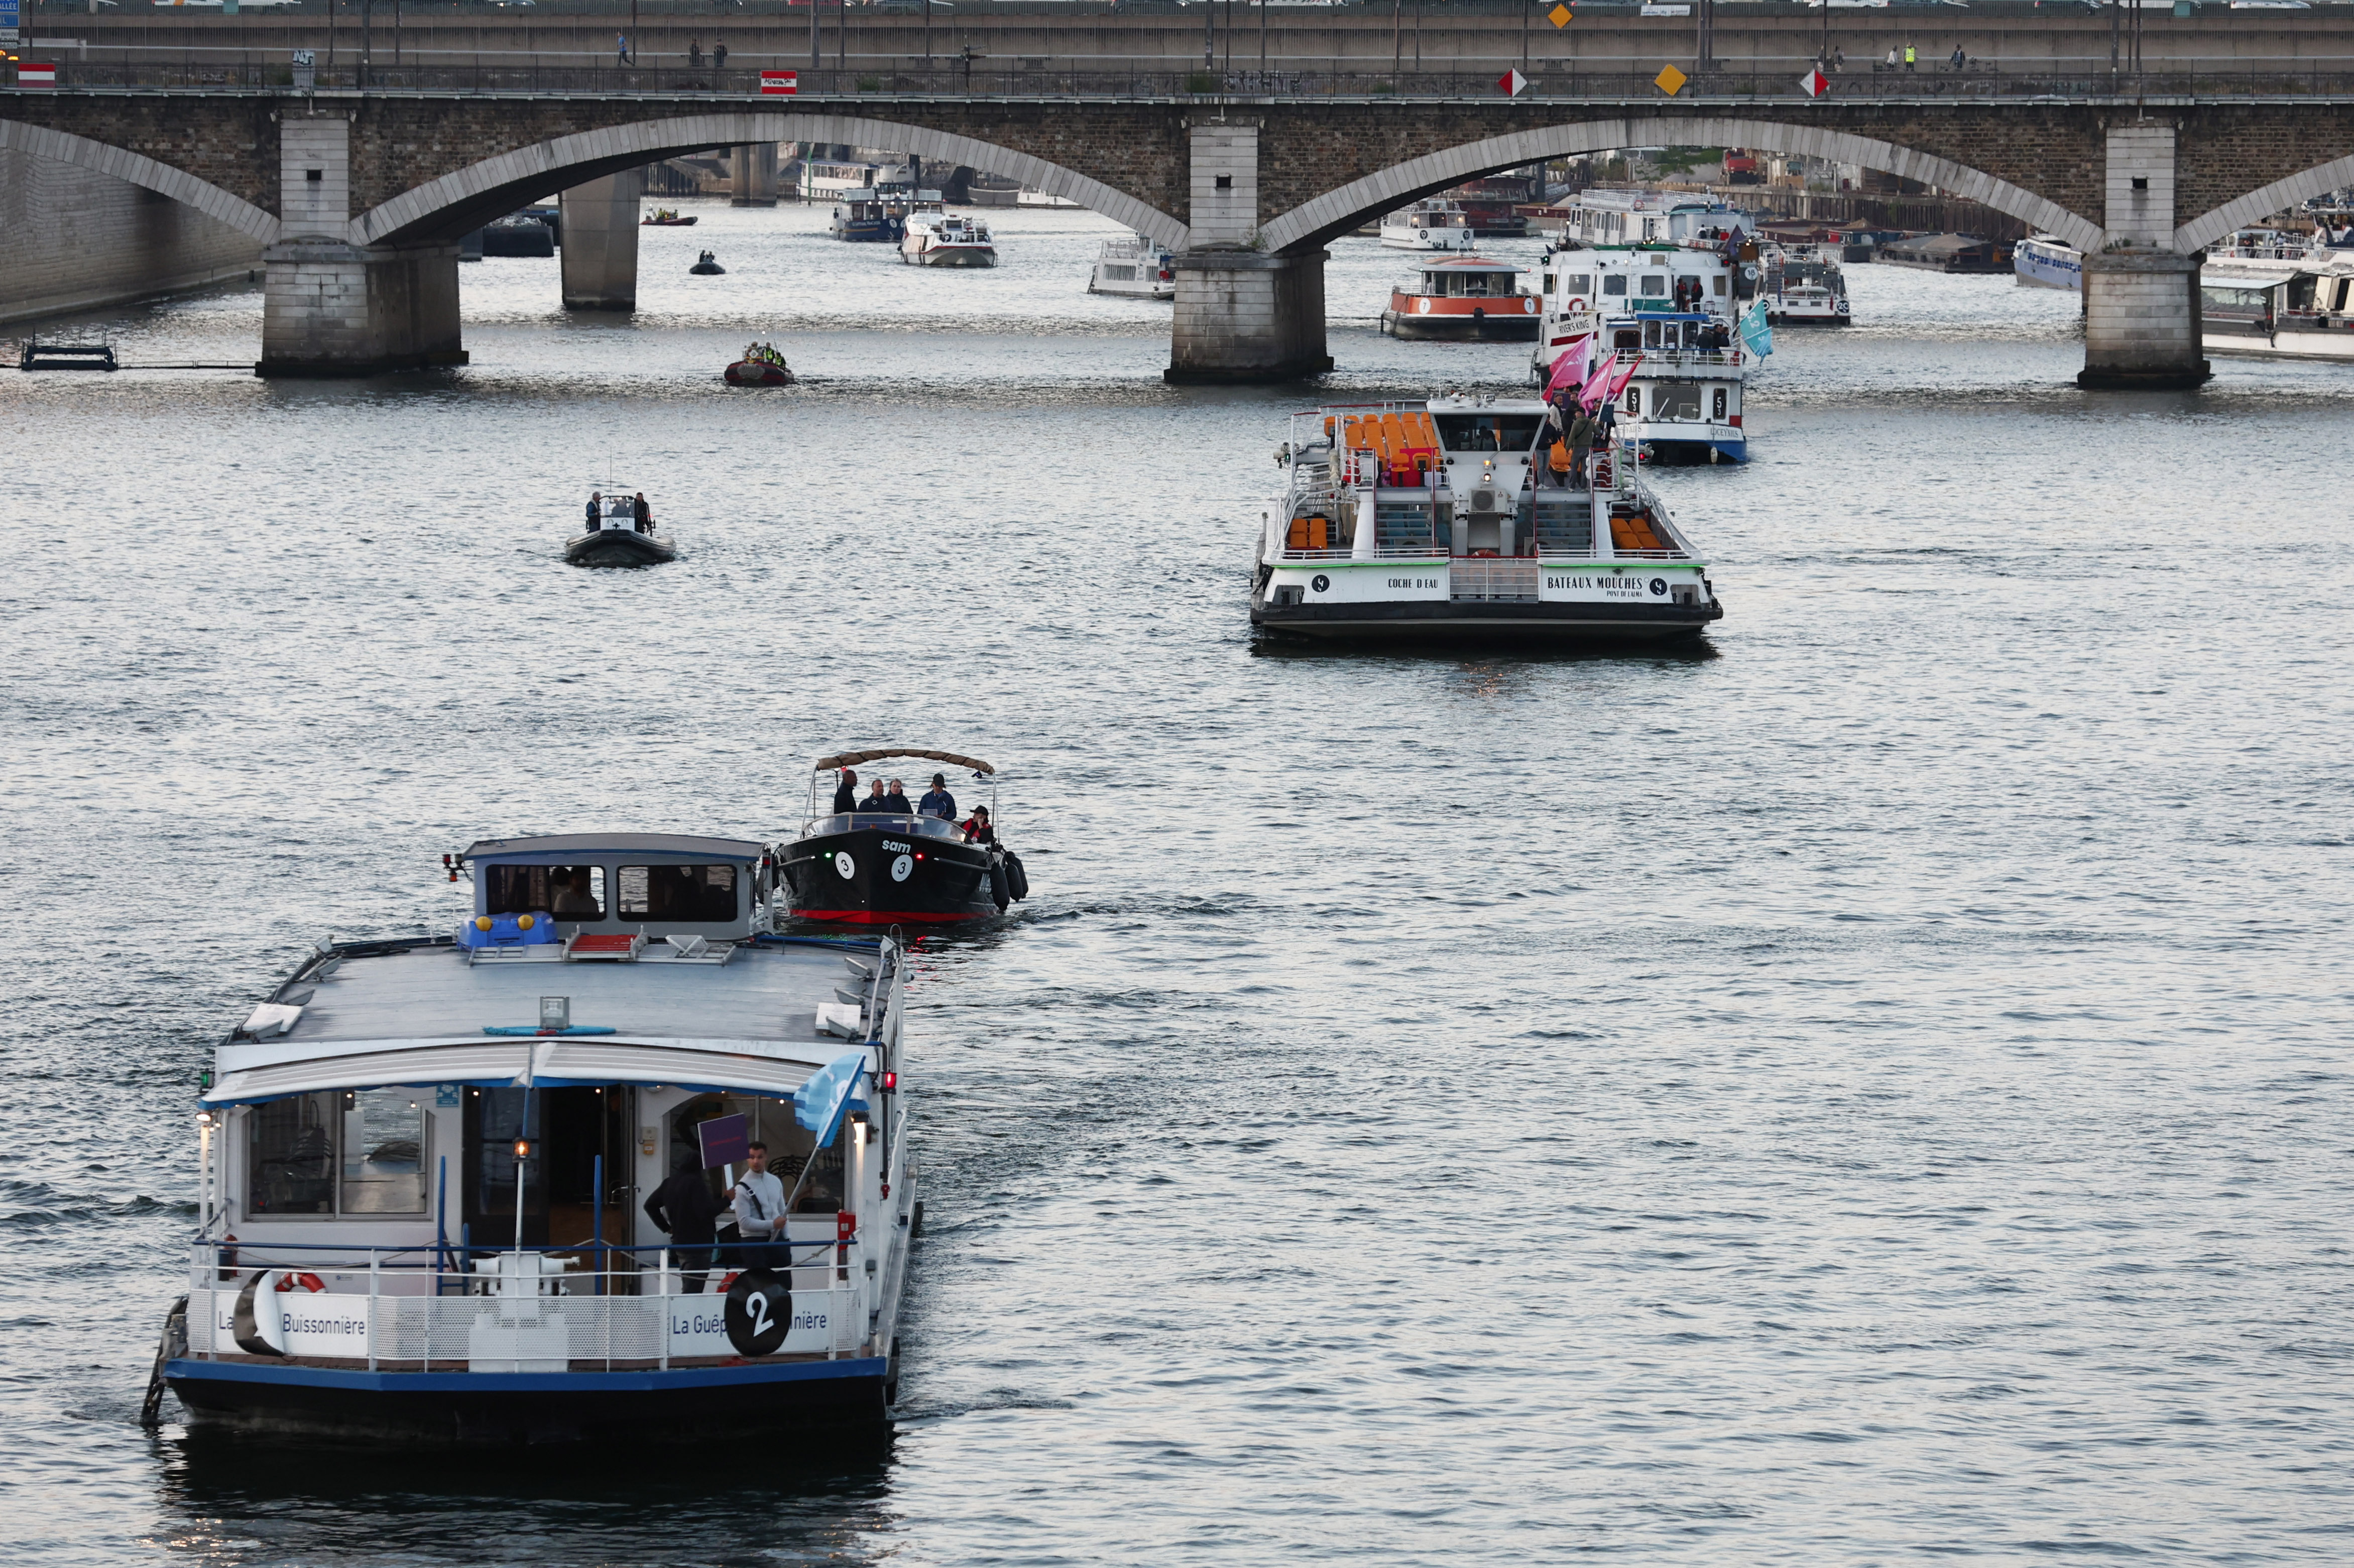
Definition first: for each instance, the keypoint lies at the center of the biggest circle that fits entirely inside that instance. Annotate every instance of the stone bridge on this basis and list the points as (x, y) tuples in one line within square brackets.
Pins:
[(360, 197)]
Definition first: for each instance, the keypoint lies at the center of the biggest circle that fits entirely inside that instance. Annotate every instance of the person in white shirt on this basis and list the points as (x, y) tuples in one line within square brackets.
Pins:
[(760, 1203)]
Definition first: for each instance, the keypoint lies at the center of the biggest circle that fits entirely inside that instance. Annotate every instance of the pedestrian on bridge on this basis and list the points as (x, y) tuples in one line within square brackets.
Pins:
[(1912, 56), (694, 54), (718, 58), (622, 50)]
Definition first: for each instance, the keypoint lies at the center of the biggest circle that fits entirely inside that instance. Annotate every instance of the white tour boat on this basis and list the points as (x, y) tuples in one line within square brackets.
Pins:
[(1135, 267), (945, 239), (2048, 262), (426, 1163), (1802, 289), (1433, 223), (1672, 304), (1422, 520), (2261, 308), (1596, 217)]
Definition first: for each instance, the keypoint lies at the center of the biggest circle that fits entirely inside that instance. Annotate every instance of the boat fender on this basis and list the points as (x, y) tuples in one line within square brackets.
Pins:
[(1000, 893), (760, 1312), (1017, 881)]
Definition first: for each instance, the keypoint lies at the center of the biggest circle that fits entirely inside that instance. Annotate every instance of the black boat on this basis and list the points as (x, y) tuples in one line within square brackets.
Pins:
[(880, 868), (617, 538)]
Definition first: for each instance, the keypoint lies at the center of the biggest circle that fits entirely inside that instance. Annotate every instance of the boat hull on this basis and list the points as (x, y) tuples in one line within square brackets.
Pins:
[(2333, 345), (829, 1401), (950, 256), (667, 222), (1438, 620), (2041, 266), (870, 876), (750, 373), (1408, 319), (617, 548)]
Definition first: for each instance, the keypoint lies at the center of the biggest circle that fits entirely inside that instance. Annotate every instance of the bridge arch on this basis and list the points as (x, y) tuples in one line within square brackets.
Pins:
[(124, 165), (2262, 203), (1337, 211), (444, 208)]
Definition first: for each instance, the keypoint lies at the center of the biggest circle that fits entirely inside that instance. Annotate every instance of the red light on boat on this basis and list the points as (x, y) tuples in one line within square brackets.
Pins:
[(1736, 421), (890, 1080)]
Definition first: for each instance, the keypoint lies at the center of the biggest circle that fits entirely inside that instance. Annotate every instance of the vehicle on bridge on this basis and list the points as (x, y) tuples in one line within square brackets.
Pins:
[(1433, 223), (421, 1213), (899, 867), (1425, 521), (947, 239), (1464, 298), (617, 536), (1136, 267)]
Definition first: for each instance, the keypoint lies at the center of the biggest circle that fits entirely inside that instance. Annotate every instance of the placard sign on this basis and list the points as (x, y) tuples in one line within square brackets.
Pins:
[(775, 83), (7, 21), (725, 1139)]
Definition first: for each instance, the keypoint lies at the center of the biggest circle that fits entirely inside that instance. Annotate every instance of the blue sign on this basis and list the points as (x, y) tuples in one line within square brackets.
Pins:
[(725, 1139), (8, 21)]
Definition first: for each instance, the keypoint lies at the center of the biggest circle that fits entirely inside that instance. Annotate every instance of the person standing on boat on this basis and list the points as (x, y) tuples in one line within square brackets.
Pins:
[(845, 793), (594, 497), (896, 801), (760, 1201), (874, 801), (937, 801), (682, 1209), (645, 515)]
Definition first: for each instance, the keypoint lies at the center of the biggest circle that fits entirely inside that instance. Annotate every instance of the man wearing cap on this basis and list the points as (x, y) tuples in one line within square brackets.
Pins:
[(937, 800)]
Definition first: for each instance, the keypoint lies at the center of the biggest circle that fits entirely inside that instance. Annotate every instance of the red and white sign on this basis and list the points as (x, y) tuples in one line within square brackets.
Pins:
[(1815, 83), (785, 83), (31, 75), (1513, 83)]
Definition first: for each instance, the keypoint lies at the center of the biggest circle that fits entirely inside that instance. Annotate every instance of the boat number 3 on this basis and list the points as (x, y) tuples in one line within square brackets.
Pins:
[(903, 867), (1659, 585), (1321, 582), (842, 862)]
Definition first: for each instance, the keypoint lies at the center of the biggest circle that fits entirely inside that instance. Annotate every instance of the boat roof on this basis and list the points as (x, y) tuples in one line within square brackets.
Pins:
[(852, 759), (558, 848), (419, 1013), (1470, 264)]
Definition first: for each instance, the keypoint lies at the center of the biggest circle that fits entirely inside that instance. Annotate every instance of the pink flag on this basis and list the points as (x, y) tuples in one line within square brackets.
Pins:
[(1606, 385), (1571, 366)]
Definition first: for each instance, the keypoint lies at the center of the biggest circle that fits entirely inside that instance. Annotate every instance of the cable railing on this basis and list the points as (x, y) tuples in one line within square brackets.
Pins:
[(1079, 77)]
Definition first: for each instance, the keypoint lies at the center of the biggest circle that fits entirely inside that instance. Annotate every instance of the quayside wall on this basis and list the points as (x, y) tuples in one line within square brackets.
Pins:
[(75, 240)]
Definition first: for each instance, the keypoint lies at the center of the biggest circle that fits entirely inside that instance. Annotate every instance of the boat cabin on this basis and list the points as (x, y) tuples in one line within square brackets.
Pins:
[(617, 509), (1636, 277), (1469, 278)]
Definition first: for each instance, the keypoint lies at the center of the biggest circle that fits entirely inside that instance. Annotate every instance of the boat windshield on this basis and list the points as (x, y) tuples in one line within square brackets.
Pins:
[(696, 893), (567, 892), (1488, 432)]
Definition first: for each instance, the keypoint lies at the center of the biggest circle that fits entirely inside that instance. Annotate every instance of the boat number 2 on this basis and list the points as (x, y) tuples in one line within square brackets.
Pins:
[(842, 864), (901, 868)]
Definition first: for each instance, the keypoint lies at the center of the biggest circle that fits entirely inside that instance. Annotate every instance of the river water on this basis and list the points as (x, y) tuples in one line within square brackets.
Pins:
[(1868, 1089)]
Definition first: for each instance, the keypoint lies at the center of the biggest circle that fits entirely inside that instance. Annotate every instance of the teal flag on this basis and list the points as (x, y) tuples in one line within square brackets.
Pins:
[(1756, 333)]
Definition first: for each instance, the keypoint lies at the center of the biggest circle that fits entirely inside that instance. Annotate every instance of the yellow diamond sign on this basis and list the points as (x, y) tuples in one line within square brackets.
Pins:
[(1559, 16), (1671, 81)]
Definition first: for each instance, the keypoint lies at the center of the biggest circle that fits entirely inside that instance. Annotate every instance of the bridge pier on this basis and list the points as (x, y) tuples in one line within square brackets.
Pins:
[(2142, 319), (333, 308), (752, 174), (600, 242), (1241, 315)]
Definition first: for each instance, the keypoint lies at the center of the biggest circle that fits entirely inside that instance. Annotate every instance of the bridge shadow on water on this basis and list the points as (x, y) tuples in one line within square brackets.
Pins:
[(236, 1498)]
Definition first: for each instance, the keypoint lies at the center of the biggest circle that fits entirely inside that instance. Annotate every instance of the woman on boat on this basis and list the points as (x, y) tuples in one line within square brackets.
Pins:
[(976, 826)]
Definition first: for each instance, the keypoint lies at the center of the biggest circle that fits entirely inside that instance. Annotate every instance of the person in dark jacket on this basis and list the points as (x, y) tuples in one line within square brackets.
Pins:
[(683, 1209), (937, 801), (896, 801), (874, 801), (845, 794), (593, 500), (645, 515), (976, 826)]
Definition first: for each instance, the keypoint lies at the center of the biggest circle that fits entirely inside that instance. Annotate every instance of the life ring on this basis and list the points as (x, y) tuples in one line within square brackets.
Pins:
[(1421, 306), (1529, 307), (1577, 302), (258, 1323)]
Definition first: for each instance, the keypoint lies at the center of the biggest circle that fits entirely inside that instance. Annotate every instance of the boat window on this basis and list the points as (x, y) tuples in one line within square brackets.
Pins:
[(677, 892), (1488, 432), (1718, 281), (1655, 285), (1579, 283), (1627, 337), (373, 1139), (1614, 284), (1675, 402), (567, 892), (292, 1147), (1651, 334), (384, 1152)]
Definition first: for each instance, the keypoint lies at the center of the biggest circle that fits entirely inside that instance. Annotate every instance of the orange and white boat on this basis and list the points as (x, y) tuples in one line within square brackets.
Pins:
[(1465, 299)]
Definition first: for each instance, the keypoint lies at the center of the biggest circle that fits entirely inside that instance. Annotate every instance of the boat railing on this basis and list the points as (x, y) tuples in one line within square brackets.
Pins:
[(918, 826), (451, 1307), (1343, 554)]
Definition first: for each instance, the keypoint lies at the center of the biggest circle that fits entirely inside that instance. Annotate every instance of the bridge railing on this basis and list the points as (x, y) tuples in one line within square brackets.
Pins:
[(1079, 78)]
